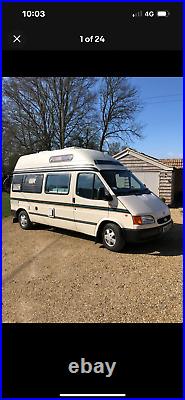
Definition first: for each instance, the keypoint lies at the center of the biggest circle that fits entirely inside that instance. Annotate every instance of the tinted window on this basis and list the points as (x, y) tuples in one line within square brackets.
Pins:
[(17, 183), (97, 185), (108, 162), (32, 183), (85, 185), (88, 185), (58, 183)]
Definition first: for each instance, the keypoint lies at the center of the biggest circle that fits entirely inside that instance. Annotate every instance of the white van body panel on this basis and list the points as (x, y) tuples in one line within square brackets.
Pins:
[(124, 221), (80, 157), (145, 204), (69, 209)]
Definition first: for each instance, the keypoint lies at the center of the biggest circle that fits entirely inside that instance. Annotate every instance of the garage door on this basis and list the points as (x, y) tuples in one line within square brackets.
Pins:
[(150, 179)]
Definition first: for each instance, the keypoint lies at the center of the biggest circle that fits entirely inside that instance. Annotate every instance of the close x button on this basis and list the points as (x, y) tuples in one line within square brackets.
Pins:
[(16, 38)]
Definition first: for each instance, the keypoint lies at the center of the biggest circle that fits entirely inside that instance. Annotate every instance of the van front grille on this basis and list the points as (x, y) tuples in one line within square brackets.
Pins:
[(164, 219)]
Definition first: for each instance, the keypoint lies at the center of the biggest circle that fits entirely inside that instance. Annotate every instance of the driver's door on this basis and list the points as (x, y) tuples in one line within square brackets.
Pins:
[(88, 210)]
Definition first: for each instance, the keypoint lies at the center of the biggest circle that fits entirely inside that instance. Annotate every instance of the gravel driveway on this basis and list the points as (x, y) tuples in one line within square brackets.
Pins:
[(52, 275)]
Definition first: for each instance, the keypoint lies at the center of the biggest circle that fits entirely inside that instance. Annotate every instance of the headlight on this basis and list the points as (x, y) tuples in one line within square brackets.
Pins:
[(142, 220)]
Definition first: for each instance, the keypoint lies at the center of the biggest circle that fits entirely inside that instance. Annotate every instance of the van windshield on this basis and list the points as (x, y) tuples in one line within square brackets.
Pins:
[(123, 183)]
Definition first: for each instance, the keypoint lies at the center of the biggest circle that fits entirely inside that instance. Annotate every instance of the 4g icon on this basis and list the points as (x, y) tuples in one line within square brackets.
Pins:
[(149, 14)]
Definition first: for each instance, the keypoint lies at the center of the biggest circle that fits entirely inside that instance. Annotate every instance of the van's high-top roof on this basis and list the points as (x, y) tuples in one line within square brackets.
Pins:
[(69, 157)]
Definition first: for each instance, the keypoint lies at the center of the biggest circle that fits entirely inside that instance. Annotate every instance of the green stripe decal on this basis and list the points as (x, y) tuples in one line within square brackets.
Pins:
[(65, 219), (73, 205)]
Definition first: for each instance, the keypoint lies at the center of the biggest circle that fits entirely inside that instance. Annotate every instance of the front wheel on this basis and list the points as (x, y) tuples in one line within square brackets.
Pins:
[(24, 220), (113, 238)]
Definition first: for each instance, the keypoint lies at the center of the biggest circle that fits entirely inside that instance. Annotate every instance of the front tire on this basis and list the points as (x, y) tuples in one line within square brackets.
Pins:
[(113, 238), (24, 220)]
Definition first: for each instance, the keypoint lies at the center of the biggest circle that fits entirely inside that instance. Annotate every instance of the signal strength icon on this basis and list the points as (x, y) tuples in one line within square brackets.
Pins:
[(137, 14)]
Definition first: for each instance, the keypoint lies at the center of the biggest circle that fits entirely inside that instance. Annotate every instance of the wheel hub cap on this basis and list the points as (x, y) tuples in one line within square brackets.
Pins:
[(23, 220), (110, 238)]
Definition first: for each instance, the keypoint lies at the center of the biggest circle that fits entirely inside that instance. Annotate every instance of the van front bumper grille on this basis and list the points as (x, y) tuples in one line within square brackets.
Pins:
[(164, 219), (140, 235)]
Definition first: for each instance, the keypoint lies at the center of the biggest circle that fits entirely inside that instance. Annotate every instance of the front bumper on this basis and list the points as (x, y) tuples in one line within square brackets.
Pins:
[(139, 235)]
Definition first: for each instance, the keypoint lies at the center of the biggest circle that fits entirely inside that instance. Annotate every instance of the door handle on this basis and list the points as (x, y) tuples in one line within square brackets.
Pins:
[(73, 199)]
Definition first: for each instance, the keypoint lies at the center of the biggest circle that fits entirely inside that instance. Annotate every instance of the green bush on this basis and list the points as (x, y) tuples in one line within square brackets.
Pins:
[(6, 204)]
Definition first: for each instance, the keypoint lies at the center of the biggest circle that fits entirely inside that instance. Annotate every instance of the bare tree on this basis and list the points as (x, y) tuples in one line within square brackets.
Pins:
[(114, 148), (55, 112), (46, 112), (11, 149), (119, 104), (73, 103)]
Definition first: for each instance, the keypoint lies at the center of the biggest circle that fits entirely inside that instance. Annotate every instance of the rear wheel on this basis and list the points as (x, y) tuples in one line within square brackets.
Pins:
[(24, 220), (113, 237)]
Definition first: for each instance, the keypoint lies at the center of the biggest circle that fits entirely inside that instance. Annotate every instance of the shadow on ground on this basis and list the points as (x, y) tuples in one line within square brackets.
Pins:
[(169, 244)]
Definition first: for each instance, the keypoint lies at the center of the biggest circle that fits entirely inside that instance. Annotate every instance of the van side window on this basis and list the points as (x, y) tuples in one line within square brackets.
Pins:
[(88, 185), (17, 183), (57, 184), (32, 183)]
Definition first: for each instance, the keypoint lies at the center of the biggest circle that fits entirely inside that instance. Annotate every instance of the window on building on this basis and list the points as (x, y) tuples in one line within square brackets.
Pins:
[(58, 184)]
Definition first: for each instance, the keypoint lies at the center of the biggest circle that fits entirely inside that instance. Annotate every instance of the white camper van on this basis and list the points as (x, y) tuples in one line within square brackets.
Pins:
[(86, 191)]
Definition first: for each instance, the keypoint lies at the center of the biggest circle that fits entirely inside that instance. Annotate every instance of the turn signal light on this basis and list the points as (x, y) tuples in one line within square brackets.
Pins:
[(137, 220)]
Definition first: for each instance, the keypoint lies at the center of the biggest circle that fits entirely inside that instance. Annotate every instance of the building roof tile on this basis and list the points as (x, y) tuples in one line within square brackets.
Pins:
[(173, 162)]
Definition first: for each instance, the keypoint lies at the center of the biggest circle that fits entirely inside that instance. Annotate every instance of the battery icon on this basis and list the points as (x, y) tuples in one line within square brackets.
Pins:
[(162, 13)]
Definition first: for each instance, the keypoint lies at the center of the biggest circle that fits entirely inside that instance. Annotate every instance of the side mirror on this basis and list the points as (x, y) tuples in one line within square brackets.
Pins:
[(108, 196), (104, 195)]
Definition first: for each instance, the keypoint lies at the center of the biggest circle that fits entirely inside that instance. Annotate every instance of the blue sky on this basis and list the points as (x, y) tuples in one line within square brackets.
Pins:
[(161, 116)]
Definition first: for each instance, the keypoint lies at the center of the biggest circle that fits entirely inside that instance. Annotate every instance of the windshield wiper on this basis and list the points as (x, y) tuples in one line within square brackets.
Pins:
[(136, 191), (127, 192), (140, 191)]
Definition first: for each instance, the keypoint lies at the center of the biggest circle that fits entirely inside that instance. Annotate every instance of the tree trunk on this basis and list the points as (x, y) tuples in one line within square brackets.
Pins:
[(62, 129)]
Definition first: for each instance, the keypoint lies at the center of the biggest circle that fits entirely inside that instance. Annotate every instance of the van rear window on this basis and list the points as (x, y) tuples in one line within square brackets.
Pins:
[(17, 183), (57, 184), (32, 183)]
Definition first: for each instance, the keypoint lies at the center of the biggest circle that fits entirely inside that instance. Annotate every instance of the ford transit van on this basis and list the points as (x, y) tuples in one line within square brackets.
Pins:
[(86, 191)]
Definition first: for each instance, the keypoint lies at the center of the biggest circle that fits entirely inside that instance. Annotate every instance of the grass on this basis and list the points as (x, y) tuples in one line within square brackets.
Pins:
[(6, 204)]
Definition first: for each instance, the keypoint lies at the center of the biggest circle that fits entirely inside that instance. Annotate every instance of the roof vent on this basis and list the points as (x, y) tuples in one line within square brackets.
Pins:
[(61, 158)]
